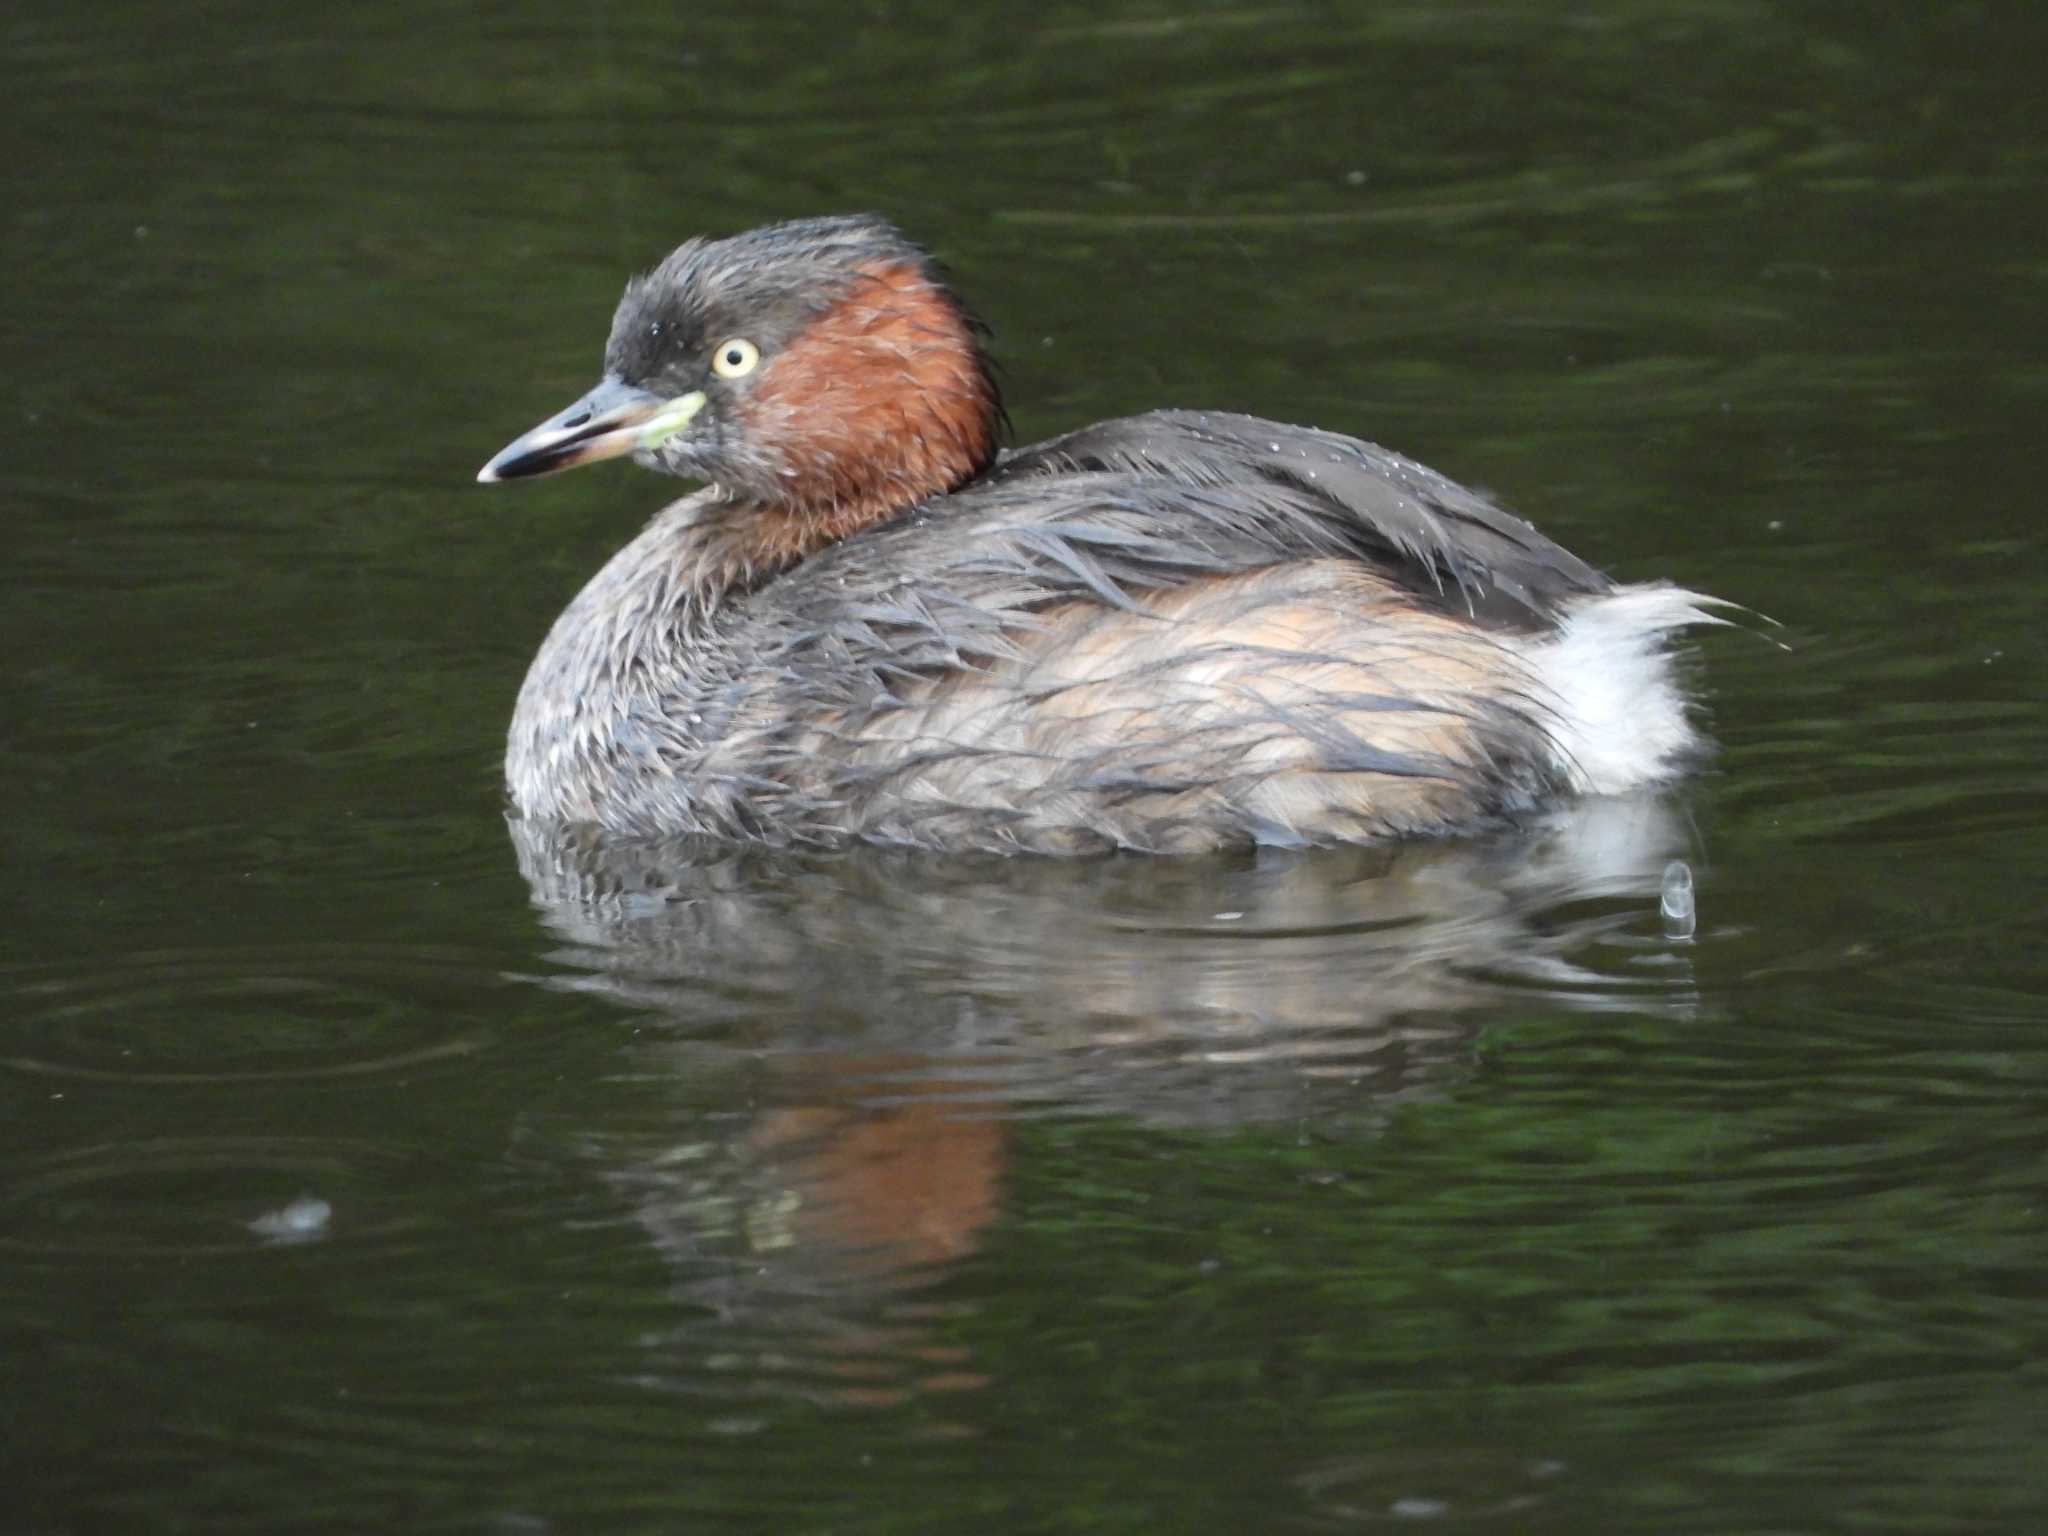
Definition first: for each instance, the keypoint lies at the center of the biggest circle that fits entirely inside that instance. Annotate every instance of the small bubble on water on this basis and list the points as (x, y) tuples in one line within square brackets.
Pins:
[(301, 1221), (1675, 900)]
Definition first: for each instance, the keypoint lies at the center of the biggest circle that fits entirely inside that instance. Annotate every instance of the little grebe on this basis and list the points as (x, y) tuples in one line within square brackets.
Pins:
[(1171, 631)]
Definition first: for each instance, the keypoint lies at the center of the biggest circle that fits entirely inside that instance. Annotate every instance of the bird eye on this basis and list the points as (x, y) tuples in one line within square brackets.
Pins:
[(735, 359)]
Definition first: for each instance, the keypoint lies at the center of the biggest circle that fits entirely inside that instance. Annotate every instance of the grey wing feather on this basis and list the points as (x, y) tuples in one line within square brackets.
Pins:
[(1491, 562)]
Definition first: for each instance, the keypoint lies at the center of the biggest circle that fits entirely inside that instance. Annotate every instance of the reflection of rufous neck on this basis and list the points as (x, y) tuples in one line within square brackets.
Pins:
[(889, 1189)]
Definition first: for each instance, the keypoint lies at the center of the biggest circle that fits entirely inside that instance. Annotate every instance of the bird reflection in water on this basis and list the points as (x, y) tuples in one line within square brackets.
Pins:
[(853, 1037)]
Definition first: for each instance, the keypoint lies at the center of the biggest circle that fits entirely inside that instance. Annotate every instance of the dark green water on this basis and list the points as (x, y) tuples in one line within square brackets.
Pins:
[(1437, 1188)]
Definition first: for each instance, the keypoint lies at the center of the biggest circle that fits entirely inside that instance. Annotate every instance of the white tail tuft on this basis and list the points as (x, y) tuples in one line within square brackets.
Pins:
[(1617, 716)]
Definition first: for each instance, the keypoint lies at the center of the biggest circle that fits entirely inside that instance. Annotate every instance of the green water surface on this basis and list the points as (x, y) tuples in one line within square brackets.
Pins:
[(1441, 1187)]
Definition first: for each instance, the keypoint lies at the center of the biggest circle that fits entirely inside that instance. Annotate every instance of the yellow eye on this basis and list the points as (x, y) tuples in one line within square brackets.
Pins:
[(735, 359)]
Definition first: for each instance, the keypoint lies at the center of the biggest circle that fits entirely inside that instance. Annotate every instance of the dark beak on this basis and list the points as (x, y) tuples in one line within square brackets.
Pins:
[(613, 419)]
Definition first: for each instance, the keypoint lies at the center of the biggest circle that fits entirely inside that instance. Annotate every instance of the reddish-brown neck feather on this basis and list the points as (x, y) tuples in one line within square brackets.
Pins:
[(880, 403)]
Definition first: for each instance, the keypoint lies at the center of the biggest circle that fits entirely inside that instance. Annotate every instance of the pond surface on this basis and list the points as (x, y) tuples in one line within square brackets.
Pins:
[(363, 1167)]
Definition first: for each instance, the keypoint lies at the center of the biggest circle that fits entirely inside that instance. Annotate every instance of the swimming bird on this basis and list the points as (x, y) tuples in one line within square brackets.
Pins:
[(1167, 632)]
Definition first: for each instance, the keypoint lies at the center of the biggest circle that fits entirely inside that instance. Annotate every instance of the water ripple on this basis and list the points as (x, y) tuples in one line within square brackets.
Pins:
[(185, 1196), (225, 1016)]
